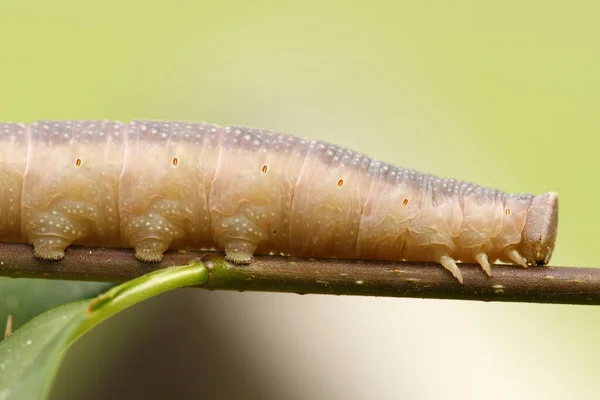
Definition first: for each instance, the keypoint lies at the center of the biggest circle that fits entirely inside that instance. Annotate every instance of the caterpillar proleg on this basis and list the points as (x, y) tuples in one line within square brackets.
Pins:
[(155, 186)]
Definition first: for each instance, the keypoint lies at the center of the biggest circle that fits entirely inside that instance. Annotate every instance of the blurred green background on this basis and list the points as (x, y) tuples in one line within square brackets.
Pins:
[(504, 94)]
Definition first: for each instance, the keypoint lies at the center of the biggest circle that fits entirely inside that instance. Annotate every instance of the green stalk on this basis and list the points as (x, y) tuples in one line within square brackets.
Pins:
[(134, 291)]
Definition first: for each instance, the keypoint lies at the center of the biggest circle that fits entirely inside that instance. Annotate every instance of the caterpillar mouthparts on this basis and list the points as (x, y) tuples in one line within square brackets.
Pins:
[(539, 233)]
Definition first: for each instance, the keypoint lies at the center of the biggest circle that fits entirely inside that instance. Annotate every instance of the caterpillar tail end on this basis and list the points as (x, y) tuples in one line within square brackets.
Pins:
[(539, 234)]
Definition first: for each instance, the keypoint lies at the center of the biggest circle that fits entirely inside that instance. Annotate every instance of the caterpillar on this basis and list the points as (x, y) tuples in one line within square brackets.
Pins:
[(155, 186)]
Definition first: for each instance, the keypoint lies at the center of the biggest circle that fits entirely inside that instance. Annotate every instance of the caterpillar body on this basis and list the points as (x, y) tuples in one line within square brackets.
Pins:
[(154, 186)]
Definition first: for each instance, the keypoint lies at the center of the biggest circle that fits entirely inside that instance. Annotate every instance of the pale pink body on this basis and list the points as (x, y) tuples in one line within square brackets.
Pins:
[(155, 186)]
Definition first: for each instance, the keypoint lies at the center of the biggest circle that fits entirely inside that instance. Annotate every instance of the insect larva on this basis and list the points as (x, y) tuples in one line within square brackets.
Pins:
[(155, 186)]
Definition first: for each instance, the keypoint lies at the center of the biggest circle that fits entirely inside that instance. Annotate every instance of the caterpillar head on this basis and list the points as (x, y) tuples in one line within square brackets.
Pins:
[(539, 234)]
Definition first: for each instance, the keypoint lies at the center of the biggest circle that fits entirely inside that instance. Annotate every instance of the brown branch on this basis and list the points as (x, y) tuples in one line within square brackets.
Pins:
[(564, 285)]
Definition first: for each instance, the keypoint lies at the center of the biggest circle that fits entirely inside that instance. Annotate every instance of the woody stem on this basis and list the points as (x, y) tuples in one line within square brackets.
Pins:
[(563, 285)]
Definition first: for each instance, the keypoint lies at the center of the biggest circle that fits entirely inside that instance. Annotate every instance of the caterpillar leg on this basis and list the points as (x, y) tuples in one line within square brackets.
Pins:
[(152, 234), (482, 259), (51, 248), (515, 256), (240, 251), (449, 263), (52, 232), (151, 249), (435, 248)]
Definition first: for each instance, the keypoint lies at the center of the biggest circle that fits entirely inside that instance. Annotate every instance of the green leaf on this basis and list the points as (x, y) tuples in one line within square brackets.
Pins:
[(25, 298), (30, 357)]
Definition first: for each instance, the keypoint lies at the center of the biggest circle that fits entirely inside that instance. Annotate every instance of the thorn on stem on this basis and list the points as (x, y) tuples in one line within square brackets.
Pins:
[(9, 326)]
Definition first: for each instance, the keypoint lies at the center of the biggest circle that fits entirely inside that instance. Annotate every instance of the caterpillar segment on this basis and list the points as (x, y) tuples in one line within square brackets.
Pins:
[(70, 185), (159, 185), (164, 186)]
